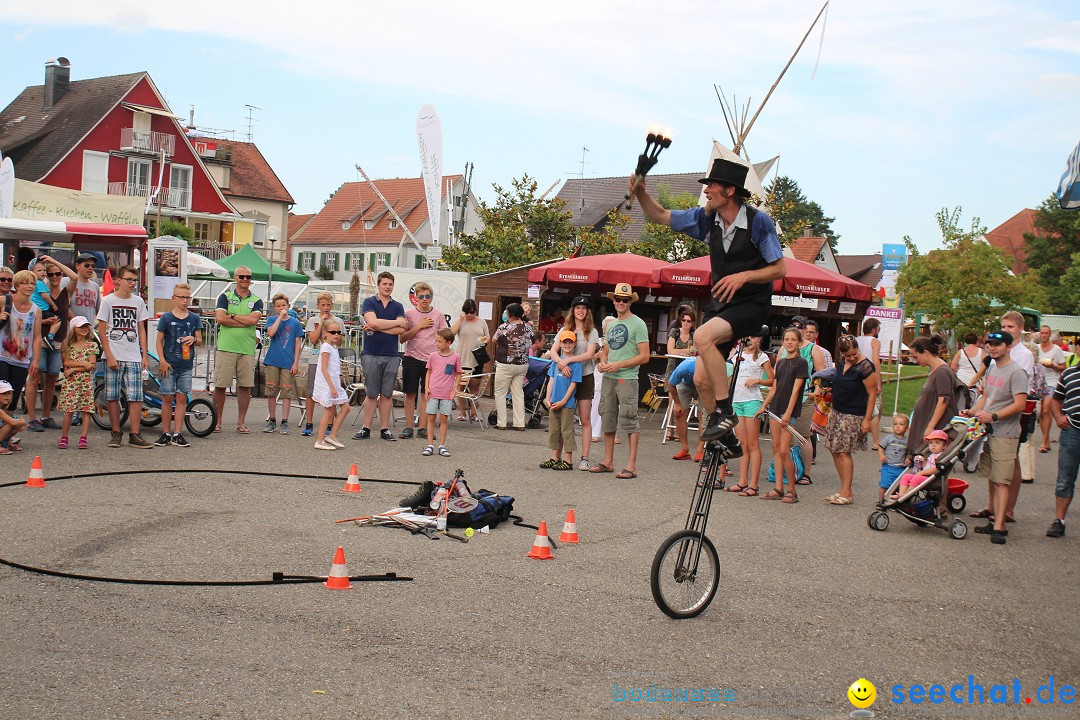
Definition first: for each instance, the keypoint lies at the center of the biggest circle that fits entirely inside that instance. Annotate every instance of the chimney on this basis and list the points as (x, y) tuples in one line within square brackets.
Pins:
[(57, 79)]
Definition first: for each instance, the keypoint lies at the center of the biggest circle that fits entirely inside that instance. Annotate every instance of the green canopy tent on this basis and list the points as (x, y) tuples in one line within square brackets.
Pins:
[(260, 268)]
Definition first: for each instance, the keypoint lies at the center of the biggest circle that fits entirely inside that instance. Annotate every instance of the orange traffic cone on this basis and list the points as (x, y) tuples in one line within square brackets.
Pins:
[(339, 574), (37, 475), (541, 548), (353, 483), (569, 529)]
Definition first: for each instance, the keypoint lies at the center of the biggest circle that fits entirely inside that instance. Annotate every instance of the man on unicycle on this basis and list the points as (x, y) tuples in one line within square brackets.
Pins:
[(746, 258)]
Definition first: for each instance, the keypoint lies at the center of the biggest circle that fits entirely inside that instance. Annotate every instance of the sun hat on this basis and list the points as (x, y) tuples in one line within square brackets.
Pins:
[(623, 290), (937, 435)]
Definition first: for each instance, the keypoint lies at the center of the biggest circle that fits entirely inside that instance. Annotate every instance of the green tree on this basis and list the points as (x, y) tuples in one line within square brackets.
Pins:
[(791, 210), (324, 273), (663, 243), (1051, 257), (177, 229), (964, 286)]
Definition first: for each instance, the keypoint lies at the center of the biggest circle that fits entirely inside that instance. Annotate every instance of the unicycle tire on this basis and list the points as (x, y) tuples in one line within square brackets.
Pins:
[(677, 595)]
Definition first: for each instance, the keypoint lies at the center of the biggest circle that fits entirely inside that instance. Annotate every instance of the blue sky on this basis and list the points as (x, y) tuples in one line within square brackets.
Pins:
[(914, 106)]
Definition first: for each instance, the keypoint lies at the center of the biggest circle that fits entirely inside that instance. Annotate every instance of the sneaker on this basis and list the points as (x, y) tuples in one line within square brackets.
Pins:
[(998, 537), (548, 464), (562, 465), (35, 426), (717, 426), (116, 440), (387, 435), (163, 440), (324, 446), (1057, 529), (284, 427), (361, 434), (421, 498), (76, 419), (584, 464), (50, 424), (988, 529), (136, 441), (308, 429), (443, 452), (62, 443), (179, 440), (83, 443), (428, 451), (422, 433), (406, 434), (731, 446), (271, 426), (47, 342)]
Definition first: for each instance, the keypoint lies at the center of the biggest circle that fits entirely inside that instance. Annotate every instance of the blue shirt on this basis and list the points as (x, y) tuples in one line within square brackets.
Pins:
[(376, 342), (561, 383), (683, 372), (697, 224), (281, 349), (40, 302), (174, 329)]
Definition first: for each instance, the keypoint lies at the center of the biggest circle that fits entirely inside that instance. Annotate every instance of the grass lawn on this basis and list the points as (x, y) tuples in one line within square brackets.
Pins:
[(912, 378)]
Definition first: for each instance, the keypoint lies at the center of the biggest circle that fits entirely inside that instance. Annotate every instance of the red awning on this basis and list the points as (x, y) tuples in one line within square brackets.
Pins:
[(80, 233), (692, 277), (599, 270)]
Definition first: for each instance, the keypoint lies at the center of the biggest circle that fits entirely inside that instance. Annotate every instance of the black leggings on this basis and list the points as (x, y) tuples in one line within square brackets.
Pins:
[(15, 375)]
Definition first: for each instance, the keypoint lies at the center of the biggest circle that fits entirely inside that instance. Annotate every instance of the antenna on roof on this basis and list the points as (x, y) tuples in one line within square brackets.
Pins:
[(251, 121), (581, 176)]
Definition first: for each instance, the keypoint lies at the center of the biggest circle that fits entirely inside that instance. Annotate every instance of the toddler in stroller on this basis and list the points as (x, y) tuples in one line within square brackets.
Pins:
[(923, 467)]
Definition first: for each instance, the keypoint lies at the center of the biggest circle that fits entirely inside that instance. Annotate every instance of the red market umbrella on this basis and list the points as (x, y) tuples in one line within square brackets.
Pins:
[(599, 270), (692, 277)]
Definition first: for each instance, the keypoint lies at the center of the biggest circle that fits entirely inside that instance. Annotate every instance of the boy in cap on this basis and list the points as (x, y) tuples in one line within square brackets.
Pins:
[(562, 402), (746, 258)]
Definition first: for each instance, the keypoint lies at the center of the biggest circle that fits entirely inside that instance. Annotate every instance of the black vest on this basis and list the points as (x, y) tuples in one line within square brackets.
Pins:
[(742, 256)]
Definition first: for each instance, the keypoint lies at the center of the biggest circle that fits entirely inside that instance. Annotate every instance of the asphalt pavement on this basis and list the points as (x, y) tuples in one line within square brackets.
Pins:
[(810, 600)]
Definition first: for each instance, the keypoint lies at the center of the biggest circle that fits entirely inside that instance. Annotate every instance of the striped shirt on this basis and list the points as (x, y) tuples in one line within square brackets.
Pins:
[(1068, 393)]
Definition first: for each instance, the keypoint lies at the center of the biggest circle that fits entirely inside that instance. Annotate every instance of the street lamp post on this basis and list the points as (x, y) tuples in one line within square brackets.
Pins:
[(273, 234)]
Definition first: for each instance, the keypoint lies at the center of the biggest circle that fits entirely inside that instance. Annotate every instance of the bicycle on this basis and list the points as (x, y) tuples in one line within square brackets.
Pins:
[(200, 417), (682, 584)]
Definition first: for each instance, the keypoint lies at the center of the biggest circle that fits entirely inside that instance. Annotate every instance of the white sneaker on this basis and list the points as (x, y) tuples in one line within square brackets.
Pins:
[(331, 441), (324, 446), (584, 464), (428, 451)]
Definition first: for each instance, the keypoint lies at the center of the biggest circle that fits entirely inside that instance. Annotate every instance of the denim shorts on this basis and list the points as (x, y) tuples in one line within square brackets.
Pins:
[(126, 379), (439, 407), (50, 362), (177, 381), (1068, 462)]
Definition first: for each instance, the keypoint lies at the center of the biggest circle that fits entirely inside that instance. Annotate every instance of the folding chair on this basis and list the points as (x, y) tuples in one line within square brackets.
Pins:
[(472, 400), (658, 389), (691, 420)]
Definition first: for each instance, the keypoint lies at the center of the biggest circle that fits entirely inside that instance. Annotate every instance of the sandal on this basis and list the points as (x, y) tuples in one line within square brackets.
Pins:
[(805, 480), (772, 495), (985, 513), (749, 492), (601, 468), (841, 500), (681, 455), (625, 474), (790, 498), (242, 429), (5, 451), (546, 465), (461, 418), (1044, 449), (737, 488)]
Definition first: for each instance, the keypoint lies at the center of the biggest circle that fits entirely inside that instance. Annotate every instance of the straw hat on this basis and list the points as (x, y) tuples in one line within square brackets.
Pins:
[(623, 290)]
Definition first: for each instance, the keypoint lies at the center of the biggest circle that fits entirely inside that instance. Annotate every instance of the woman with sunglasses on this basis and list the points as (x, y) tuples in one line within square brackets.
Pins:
[(20, 338), (680, 337), (50, 362)]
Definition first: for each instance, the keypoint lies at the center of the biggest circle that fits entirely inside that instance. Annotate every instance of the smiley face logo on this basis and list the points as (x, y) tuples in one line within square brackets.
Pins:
[(862, 693)]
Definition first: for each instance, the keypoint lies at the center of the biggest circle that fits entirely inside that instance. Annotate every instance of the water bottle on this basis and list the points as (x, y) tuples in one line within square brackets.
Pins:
[(439, 498)]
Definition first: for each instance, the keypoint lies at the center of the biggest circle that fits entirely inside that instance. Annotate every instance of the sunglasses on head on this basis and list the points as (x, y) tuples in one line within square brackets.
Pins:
[(243, 277), (332, 332)]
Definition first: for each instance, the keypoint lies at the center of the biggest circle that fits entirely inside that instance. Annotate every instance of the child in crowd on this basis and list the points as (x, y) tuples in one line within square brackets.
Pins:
[(561, 400), (178, 333), (42, 298), (443, 374), (282, 362), (328, 390), (783, 406), (9, 425), (937, 440), (80, 352), (893, 454)]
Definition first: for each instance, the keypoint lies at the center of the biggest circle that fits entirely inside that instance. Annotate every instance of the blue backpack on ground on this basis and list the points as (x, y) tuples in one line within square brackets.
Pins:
[(800, 470), (491, 509)]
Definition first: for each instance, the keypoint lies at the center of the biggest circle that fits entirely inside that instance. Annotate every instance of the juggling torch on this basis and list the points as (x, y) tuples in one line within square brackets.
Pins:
[(656, 140)]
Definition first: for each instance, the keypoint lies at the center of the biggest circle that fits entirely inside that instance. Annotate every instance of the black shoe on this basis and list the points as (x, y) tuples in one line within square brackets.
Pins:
[(717, 426), (988, 529), (387, 435), (180, 441), (421, 498), (163, 440), (731, 446), (998, 536), (1027, 481), (1057, 529), (362, 434)]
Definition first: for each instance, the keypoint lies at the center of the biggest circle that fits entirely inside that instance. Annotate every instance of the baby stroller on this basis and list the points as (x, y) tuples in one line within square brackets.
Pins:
[(535, 389), (921, 504)]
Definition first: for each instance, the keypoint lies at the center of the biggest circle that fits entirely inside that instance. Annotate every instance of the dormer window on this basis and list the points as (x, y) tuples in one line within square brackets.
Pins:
[(346, 225), (369, 224), (393, 224)]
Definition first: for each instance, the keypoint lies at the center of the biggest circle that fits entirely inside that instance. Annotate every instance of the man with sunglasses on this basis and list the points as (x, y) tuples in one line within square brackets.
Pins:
[(423, 322), (122, 331), (238, 312)]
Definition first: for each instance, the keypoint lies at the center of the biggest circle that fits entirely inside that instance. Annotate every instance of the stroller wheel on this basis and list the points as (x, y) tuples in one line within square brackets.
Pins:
[(534, 423), (957, 503), (878, 520), (958, 530)]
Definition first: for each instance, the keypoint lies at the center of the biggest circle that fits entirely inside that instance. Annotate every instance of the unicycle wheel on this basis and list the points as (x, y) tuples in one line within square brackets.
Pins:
[(680, 590)]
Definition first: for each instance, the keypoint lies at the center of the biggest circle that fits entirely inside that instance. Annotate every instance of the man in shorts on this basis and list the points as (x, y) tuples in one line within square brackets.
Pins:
[(384, 319), (1065, 405), (281, 363), (238, 312), (1000, 408), (746, 258), (814, 356), (122, 330)]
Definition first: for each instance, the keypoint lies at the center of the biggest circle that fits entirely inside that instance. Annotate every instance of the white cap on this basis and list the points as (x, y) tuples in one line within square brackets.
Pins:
[(79, 321), (5, 387)]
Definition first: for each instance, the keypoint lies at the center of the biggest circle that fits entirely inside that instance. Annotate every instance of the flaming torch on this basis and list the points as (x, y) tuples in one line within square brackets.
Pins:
[(656, 140)]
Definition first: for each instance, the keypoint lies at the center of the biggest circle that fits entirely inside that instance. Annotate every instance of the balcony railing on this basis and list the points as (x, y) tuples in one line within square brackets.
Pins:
[(179, 198), (129, 189), (146, 142)]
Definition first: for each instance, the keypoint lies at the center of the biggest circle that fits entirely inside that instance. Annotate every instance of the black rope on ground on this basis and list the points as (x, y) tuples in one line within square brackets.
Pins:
[(81, 476)]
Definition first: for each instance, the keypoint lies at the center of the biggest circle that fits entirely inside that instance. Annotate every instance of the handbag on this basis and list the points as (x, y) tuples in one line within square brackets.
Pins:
[(481, 356)]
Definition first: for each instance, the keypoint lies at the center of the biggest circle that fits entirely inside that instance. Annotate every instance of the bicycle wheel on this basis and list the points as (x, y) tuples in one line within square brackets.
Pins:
[(101, 409), (679, 591), (200, 418), (151, 409)]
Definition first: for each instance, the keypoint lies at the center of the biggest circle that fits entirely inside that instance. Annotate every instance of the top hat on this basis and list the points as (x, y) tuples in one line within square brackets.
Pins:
[(729, 173), (623, 290)]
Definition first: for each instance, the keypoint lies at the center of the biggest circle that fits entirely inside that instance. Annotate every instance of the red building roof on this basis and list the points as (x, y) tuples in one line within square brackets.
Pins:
[(342, 220), (807, 248), (252, 177), (297, 223), (1009, 237)]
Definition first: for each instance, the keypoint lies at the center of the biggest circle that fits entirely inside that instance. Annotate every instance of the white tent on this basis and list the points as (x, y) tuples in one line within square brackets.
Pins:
[(754, 173)]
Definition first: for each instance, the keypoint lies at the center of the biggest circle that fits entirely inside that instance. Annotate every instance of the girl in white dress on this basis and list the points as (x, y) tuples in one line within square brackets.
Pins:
[(328, 391)]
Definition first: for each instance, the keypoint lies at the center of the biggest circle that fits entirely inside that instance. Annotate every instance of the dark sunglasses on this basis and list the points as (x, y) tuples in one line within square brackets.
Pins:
[(10, 279), (621, 299), (332, 332), (55, 274), (243, 277), (423, 297)]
